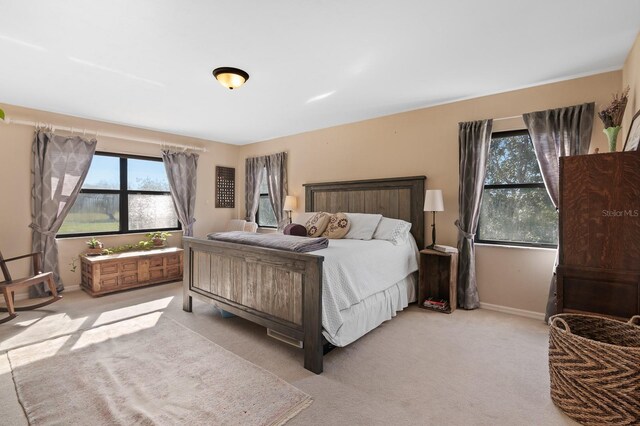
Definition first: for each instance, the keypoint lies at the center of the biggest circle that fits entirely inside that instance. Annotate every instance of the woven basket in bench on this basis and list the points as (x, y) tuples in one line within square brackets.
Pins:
[(594, 364)]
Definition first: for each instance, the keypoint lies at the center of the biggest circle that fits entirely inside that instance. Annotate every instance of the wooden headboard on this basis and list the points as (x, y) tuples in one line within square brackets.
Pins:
[(397, 198)]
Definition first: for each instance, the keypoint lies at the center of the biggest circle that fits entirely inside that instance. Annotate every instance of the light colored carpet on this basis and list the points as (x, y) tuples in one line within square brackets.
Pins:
[(422, 368), (146, 370)]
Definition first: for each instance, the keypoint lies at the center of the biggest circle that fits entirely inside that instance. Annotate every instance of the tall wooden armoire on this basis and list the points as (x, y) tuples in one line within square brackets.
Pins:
[(599, 263)]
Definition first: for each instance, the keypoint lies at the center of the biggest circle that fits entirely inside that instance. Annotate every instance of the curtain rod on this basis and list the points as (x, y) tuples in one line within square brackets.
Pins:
[(508, 118), (97, 133)]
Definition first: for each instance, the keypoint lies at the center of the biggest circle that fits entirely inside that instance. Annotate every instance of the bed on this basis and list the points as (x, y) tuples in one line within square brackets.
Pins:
[(283, 290)]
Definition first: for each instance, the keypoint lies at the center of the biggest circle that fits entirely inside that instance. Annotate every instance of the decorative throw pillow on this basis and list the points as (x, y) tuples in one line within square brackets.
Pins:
[(317, 224), (394, 230), (295, 229), (338, 226)]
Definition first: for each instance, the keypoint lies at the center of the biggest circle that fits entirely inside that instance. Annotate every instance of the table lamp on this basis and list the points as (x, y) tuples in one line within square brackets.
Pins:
[(290, 204), (433, 203)]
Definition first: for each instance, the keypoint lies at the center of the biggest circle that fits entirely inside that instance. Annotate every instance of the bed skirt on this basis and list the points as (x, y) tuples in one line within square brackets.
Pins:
[(374, 310)]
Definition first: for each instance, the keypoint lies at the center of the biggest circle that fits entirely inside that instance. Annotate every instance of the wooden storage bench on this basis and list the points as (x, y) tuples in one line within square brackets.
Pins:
[(116, 272)]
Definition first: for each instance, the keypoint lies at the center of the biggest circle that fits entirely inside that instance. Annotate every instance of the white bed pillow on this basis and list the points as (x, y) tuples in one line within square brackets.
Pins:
[(362, 225), (303, 217), (394, 230)]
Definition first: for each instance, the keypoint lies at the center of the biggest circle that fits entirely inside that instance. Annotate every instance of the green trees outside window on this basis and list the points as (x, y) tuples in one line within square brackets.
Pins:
[(516, 208)]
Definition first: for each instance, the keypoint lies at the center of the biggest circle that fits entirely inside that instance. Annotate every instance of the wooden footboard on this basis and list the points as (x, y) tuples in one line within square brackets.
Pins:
[(277, 289)]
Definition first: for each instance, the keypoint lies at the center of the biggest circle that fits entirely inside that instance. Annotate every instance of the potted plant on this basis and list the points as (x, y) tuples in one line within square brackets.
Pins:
[(95, 247), (158, 238), (612, 115)]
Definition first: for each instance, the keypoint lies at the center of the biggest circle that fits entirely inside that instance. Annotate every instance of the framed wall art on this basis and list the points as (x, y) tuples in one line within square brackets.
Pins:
[(225, 187)]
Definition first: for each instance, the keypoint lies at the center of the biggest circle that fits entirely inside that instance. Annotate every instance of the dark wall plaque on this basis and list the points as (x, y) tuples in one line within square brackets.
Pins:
[(225, 187)]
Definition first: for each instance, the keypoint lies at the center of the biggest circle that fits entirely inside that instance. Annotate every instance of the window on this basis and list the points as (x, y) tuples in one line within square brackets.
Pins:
[(516, 208), (265, 217), (121, 194)]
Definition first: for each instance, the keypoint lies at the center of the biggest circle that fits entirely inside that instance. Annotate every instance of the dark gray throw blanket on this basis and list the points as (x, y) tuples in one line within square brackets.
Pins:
[(275, 241)]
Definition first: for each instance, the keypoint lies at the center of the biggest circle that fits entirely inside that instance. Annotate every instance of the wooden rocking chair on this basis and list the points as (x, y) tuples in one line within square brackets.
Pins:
[(9, 285)]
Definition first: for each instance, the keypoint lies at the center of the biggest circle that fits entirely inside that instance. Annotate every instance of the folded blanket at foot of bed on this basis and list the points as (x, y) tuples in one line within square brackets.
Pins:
[(274, 241)]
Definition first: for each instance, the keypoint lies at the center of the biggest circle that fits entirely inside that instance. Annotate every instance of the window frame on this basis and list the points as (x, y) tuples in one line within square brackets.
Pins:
[(478, 239), (123, 196)]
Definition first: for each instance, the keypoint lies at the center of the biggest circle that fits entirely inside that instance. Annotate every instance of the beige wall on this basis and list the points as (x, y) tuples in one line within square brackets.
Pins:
[(421, 142), (15, 140), (631, 78), (425, 142)]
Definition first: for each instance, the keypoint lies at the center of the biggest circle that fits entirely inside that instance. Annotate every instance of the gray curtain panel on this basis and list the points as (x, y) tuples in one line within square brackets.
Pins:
[(182, 173), (254, 168), (276, 167), (474, 138), (557, 133), (59, 165)]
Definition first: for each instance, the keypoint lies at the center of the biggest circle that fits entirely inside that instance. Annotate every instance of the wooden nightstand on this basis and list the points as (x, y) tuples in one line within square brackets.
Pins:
[(438, 278)]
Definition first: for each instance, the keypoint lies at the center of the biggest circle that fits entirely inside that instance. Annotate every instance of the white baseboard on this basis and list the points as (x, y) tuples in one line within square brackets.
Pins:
[(67, 289), (513, 311)]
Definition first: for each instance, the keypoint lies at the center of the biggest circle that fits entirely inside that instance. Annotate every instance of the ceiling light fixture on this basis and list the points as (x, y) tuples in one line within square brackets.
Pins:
[(231, 78)]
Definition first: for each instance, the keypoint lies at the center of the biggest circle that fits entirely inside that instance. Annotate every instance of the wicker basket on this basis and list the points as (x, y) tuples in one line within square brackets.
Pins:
[(594, 364)]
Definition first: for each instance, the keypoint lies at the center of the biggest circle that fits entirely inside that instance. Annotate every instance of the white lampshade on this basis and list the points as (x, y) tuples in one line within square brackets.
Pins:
[(433, 201), (290, 203)]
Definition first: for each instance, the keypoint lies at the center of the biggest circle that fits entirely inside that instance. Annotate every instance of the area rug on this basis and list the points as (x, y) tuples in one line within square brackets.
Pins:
[(148, 370)]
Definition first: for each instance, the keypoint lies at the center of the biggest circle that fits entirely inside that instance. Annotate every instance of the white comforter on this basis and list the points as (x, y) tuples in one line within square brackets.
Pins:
[(355, 269)]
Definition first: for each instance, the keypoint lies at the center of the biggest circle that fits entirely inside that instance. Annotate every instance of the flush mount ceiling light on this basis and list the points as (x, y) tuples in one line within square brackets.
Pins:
[(231, 78)]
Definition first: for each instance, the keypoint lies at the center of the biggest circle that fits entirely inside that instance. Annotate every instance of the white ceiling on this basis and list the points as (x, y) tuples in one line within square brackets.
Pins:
[(312, 64)]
